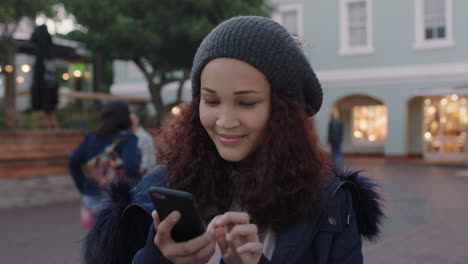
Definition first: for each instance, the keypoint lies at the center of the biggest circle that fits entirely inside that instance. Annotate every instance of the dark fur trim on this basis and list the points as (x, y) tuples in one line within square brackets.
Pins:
[(108, 234), (366, 201)]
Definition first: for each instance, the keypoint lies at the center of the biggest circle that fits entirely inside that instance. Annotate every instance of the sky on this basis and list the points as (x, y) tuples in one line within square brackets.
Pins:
[(66, 24)]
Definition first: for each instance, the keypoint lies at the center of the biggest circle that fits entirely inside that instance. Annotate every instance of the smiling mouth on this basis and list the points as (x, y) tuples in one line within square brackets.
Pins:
[(229, 139)]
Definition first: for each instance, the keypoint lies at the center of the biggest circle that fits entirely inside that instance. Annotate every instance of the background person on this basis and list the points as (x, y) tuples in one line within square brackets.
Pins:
[(335, 137), (115, 121), (145, 145)]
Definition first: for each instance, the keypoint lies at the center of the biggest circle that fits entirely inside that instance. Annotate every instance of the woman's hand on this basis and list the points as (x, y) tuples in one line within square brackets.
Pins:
[(237, 238), (197, 250)]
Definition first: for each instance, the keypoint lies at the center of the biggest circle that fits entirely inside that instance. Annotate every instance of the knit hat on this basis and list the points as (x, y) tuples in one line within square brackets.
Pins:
[(267, 46)]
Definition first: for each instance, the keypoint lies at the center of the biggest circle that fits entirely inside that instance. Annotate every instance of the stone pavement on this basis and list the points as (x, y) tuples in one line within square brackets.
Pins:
[(426, 207), (27, 192)]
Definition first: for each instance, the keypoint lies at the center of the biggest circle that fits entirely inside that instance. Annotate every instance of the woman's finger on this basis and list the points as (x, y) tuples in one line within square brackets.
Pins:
[(190, 247), (163, 232), (253, 248), (156, 220), (233, 218), (248, 233), (220, 236)]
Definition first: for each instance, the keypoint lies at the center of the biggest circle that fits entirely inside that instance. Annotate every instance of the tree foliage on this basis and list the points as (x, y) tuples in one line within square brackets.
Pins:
[(160, 36), (11, 11)]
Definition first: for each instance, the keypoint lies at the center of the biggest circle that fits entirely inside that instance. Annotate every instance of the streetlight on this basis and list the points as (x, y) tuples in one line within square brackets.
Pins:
[(25, 68), (77, 73), (8, 68)]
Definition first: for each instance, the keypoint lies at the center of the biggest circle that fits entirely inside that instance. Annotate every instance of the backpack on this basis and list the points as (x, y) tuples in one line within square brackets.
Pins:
[(105, 166)]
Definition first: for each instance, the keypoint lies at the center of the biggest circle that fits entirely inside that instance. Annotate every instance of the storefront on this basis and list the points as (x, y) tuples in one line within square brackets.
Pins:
[(445, 125), (365, 124)]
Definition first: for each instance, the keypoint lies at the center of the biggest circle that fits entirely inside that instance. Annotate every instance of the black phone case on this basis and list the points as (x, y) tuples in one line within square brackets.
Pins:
[(190, 224)]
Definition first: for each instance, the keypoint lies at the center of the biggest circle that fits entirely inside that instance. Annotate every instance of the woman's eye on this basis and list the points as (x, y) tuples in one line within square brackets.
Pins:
[(211, 102), (248, 104)]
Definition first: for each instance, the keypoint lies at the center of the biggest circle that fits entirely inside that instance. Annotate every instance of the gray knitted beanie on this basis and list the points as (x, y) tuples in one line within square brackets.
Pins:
[(267, 46)]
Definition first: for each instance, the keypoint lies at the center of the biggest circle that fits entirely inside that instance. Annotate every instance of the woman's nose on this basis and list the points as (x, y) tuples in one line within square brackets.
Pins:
[(227, 119)]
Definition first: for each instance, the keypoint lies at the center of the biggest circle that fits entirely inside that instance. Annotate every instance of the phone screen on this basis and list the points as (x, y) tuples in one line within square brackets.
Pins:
[(190, 224)]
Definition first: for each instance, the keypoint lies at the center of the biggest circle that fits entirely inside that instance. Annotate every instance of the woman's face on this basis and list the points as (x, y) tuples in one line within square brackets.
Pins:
[(234, 107)]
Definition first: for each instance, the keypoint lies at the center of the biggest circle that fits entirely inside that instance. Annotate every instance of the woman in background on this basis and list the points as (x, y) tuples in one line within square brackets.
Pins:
[(115, 122)]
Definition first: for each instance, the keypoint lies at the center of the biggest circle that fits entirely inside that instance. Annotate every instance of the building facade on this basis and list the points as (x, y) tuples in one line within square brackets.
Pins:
[(397, 71)]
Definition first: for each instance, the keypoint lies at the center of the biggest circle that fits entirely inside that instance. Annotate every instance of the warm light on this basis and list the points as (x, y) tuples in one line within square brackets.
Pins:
[(66, 76), (427, 135), (20, 79), (0, 68), (443, 119), (175, 110), (443, 101), (431, 110), (463, 134), (371, 138), (454, 97), (8, 68), (87, 75), (25, 68), (463, 101), (357, 134), (427, 101), (77, 73)]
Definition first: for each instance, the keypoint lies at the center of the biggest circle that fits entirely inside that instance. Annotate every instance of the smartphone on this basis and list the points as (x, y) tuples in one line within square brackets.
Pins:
[(190, 224)]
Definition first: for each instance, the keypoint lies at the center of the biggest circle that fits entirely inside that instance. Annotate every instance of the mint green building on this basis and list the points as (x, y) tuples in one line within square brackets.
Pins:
[(397, 71)]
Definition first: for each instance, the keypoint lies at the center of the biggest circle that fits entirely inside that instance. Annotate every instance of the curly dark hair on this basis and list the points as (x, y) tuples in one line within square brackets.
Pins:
[(284, 178)]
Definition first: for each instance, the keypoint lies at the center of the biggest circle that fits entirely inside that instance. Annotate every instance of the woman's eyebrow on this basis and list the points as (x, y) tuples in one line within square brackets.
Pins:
[(208, 90), (246, 92)]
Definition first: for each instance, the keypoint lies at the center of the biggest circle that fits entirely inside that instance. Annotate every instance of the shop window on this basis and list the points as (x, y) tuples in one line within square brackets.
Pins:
[(369, 124), (445, 123)]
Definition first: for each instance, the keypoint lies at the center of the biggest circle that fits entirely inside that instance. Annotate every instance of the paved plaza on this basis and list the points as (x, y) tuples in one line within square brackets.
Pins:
[(426, 207)]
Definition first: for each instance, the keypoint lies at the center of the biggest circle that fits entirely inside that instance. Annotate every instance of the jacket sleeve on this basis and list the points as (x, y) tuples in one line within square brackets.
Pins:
[(338, 240), (75, 161), (131, 158), (347, 245), (150, 254)]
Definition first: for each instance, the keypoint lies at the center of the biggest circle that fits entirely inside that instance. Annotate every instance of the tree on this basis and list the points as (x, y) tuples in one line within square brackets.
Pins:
[(11, 13), (160, 37)]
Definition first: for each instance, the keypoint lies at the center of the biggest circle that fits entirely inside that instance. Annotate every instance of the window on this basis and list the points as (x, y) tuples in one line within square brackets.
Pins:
[(355, 27), (433, 24), (290, 16), (369, 124), (445, 119)]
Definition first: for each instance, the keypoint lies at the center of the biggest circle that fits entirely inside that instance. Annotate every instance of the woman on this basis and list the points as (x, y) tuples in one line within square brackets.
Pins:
[(245, 148), (115, 125)]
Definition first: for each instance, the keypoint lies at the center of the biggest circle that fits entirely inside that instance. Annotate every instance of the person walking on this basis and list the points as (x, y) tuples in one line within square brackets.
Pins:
[(245, 148), (335, 138), (115, 126)]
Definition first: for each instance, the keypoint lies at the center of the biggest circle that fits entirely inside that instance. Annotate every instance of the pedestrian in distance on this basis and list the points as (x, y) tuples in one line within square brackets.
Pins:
[(335, 137), (245, 148), (145, 145), (115, 128)]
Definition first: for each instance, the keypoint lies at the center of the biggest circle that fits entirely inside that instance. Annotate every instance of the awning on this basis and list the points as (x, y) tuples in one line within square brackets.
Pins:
[(458, 90)]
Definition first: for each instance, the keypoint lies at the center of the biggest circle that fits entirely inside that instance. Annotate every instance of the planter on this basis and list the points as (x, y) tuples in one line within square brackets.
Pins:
[(36, 152)]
